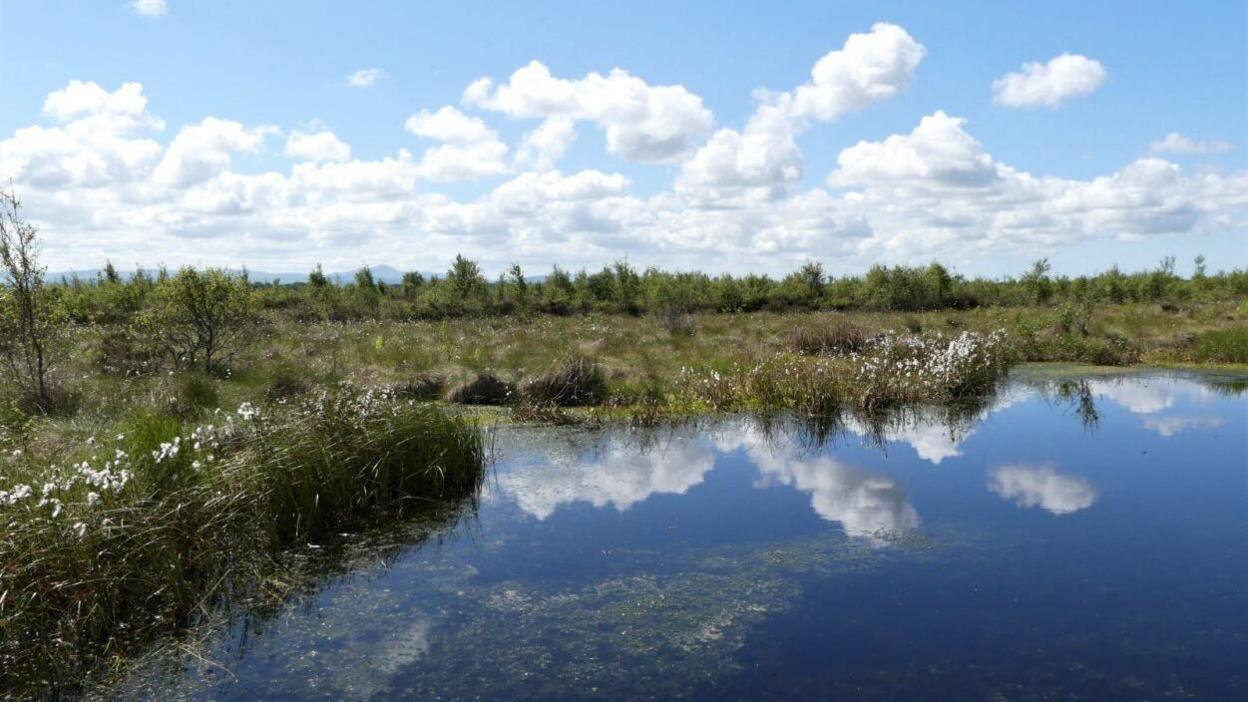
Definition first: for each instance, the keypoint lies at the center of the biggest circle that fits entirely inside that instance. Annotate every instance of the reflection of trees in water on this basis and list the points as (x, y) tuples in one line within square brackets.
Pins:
[(1227, 386), (1078, 395), (1139, 394), (933, 430)]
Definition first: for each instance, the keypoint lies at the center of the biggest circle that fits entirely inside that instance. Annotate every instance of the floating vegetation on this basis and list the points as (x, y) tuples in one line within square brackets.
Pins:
[(675, 621)]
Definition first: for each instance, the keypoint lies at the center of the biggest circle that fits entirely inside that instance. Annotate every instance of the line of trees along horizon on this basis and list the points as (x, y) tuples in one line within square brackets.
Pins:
[(621, 288)]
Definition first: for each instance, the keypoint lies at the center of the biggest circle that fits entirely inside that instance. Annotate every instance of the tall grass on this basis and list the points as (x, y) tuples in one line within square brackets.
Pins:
[(148, 528), (1223, 346)]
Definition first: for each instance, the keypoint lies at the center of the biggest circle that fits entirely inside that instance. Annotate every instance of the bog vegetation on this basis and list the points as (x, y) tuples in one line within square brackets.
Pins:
[(164, 434)]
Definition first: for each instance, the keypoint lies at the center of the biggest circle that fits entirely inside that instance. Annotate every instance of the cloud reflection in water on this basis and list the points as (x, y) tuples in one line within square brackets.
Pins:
[(1042, 486)]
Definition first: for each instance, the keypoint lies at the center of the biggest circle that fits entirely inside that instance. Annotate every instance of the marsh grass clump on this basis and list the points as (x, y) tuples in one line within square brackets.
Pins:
[(830, 338), (426, 386), (1222, 346), (352, 455), (484, 389), (136, 535), (929, 368), (194, 393), (287, 382), (578, 382), (122, 350), (678, 321)]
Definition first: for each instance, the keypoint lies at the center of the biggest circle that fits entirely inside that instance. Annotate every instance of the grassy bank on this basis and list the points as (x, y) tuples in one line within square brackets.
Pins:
[(138, 532), (627, 361)]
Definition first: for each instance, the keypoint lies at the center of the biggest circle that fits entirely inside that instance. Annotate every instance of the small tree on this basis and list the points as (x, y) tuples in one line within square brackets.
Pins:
[(627, 288), (201, 317), (412, 283), (1036, 281), (805, 285), (29, 322), (519, 288), (465, 278), (317, 279)]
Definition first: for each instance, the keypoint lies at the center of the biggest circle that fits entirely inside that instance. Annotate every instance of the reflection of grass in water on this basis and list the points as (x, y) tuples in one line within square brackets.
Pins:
[(662, 630), (234, 627), (658, 634), (672, 622)]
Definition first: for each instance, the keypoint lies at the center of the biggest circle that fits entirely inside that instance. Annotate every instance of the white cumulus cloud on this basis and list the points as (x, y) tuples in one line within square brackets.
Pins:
[(759, 161), (471, 149), (449, 124), (543, 147), (652, 124), (936, 189), (1176, 143), (204, 150), (1049, 84), (321, 145)]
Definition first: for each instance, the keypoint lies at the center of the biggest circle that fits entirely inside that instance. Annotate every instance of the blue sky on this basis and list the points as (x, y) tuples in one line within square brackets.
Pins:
[(283, 67)]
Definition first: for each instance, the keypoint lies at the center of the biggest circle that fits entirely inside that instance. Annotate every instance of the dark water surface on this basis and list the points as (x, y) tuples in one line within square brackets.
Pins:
[(1078, 540)]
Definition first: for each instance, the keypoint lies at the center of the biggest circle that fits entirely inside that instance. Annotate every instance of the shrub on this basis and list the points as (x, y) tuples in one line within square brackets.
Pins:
[(1075, 317), (484, 389), (201, 317), (578, 383)]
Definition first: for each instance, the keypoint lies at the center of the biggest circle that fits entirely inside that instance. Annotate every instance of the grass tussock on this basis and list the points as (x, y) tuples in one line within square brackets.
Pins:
[(426, 386), (133, 537), (578, 382), (483, 389), (833, 337)]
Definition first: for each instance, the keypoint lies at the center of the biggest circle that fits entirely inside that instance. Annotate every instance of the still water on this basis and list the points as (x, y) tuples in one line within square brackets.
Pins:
[(1081, 538)]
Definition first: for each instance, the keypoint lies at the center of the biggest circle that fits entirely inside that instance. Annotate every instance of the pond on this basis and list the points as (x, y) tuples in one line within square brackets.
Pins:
[(1081, 537)]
